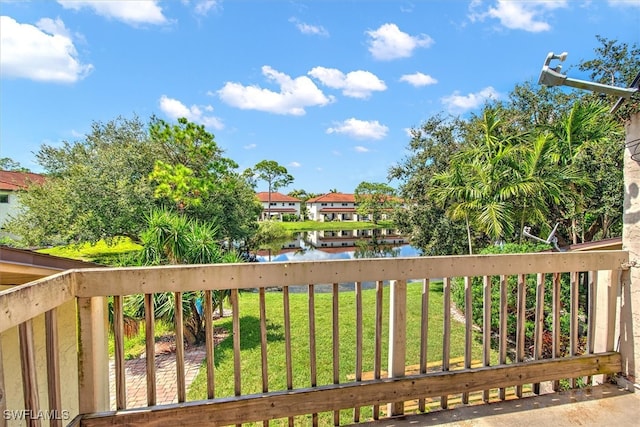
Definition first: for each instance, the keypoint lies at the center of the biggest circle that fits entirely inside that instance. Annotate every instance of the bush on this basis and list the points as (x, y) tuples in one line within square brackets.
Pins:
[(457, 292)]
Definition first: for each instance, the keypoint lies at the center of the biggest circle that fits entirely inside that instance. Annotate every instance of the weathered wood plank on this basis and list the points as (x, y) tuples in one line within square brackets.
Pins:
[(93, 355), (150, 343), (179, 325), (21, 303), (312, 346), (3, 393), (118, 344), (53, 366), (538, 323), (287, 341), (468, 321), (209, 343), (424, 334), (359, 338), (29, 380), (573, 319), (397, 337), (377, 357), (341, 396), (235, 315), (521, 308), (335, 338), (555, 303), (446, 333), (486, 328), (125, 281), (502, 346)]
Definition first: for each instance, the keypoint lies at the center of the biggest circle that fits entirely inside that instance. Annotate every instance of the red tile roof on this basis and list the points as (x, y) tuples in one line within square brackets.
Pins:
[(12, 181), (333, 198), (263, 196)]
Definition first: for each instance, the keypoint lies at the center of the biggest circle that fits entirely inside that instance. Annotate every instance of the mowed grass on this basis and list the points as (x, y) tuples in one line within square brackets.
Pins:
[(98, 252), (251, 374)]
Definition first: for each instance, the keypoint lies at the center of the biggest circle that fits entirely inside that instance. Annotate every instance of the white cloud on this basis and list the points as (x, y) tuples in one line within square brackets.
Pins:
[(519, 15), (418, 79), (132, 12), (356, 84), (360, 129), (44, 52), (250, 146), (202, 7), (295, 165), (176, 109), (388, 42), (457, 103), (314, 30), (294, 95), (361, 149)]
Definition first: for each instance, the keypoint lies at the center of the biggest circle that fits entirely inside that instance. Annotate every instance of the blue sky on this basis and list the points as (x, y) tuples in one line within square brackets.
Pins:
[(327, 88)]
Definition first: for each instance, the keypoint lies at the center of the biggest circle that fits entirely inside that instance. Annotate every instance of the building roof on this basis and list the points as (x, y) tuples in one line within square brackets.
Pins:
[(12, 181), (18, 266), (263, 196), (333, 198)]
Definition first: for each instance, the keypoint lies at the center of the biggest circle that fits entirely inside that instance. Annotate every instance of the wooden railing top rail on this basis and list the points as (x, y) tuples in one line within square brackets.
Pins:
[(24, 302), (126, 281), (27, 301)]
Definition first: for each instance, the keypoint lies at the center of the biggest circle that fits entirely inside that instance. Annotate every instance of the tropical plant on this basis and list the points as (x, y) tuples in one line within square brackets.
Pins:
[(171, 238)]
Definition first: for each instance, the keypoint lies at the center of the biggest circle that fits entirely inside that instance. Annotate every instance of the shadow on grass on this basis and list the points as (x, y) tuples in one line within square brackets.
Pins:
[(249, 336)]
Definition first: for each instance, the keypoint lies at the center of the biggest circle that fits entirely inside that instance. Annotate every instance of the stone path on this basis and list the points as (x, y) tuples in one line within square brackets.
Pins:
[(166, 384)]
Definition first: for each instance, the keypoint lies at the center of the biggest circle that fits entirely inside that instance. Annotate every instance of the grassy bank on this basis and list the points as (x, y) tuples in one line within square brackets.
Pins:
[(251, 353)]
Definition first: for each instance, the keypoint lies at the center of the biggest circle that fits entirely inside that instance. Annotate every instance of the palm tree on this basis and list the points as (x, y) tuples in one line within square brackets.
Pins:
[(171, 238), (581, 127)]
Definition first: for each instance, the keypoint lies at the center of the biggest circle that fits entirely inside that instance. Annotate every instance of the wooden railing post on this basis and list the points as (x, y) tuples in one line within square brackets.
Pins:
[(397, 337), (93, 356), (606, 299)]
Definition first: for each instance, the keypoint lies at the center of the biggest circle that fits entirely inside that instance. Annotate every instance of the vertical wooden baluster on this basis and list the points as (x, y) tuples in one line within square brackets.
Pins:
[(397, 338), (356, 410), (3, 393), (209, 343), (377, 358), (468, 328), (179, 325), (29, 380), (424, 335), (486, 328), (235, 307), (336, 344), (263, 345), (539, 324), (446, 333), (312, 345), (287, 342), (149, 317), (118, 343), (53, 367), (521, 301), (556, 322), (573, 320), (592, 298), (502, 350)]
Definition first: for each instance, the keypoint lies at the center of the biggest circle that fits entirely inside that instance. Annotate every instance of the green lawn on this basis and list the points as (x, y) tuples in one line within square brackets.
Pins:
[(98, 252), (250, 341)]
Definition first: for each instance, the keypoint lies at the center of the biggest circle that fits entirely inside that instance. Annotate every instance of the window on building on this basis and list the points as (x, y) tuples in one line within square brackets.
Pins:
[(323, 204), (345, 204), (292, 204), (273, 203), (4, 198)]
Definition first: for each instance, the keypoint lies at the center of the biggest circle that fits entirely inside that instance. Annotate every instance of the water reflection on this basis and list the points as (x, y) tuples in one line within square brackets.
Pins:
[(343, 244)]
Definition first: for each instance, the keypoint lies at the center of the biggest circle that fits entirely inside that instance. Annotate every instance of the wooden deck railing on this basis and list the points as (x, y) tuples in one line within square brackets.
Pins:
[(20, 306)]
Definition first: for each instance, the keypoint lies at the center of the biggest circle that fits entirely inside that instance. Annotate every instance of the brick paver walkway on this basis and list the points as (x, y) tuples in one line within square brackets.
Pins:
[(166, 385)]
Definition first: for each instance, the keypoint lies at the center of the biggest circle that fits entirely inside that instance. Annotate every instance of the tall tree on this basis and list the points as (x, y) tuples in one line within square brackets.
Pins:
[(97, 188), (196, 177), (374, 199), (8, 164), (431, 146), (274, 174)]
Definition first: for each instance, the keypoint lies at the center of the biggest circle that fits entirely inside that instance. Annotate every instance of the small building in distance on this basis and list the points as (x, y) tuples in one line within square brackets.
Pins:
[(10, 183), (281, 206)]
